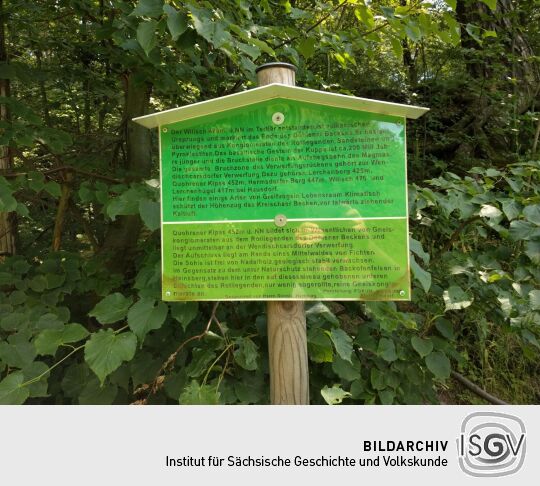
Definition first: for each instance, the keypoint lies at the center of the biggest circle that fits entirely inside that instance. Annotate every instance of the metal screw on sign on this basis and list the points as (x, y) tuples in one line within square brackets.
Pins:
[(168, 293), (402, 293), (278, 118), (164, 130), (280, 220)]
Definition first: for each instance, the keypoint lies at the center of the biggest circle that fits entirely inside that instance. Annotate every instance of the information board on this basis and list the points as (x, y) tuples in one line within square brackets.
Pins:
[(285, 199)]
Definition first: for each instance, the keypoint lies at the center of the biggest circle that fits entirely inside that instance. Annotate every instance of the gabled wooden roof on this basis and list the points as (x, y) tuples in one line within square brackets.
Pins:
[(278, 91)]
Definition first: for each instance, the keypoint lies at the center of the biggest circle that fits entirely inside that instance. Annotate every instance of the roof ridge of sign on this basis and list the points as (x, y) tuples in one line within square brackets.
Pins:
[(276, 90)]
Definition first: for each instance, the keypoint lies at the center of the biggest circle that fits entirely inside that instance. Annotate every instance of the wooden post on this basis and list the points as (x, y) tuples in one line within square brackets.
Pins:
[(287, 340)]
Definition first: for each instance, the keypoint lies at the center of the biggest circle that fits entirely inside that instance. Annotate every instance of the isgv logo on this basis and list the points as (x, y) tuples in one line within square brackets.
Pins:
[(491, 444)]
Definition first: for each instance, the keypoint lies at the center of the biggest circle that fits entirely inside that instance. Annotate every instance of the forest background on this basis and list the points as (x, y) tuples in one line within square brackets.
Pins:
[(81, 319)]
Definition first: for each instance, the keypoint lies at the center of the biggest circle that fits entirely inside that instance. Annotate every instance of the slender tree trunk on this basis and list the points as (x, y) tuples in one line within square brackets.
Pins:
[(138, 138), (122, 235), (7, 220), (43, 91), (409, 61)]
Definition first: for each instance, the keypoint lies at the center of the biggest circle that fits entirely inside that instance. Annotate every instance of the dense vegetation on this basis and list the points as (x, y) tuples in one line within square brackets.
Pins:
[(81, 319)]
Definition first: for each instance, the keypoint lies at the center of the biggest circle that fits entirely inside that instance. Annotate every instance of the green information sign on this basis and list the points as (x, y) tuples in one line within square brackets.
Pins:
[(287, 157), (334, 179), (284, 193)]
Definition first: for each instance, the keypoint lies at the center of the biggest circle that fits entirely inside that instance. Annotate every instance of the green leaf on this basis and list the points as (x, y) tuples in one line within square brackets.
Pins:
[(17, 354), (213, 30), (365, 15), (387, 396), (511, 208), (148, 8), (150, 214), (32, 371), (532, 213), (246, 355), (38, 283), (36, 181), (263, 46), (13, 321), (17, 297), (6, 278), (11, 392), (365, 340), (413, 31), (7, 202), (532, 250), (439, 364), (452, 4), (416, 247), (346, 370), (445, 328), (387, 350), (146, 35), (319, 346), (515, 184), (202, 359), (377, 379), (523, 230), (474, 32), (48, 341), (144, 316), (492, 4), (422, 346), (421, 275), (195, 394), (342, 342), (454, 29), (251, 388), (534, 299), (397, 47), (388, 12), (184, 312), (455, 299), (306, 47), (252, 51), (54, 281), (334, 395), (320, 312), (105, 351), (53, 188), (112, 308), (177, 22), (75, 379), (49, 321), (93, 393)]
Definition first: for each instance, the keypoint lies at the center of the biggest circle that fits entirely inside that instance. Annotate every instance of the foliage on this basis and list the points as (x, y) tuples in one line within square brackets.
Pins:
[(77, 325)]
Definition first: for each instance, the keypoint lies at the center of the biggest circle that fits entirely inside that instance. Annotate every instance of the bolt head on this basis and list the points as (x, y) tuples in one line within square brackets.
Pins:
[(280, 220), (278, 118)]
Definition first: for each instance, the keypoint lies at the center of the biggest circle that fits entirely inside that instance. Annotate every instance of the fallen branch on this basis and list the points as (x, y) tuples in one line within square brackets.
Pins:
[(157, 383), (476, 389)]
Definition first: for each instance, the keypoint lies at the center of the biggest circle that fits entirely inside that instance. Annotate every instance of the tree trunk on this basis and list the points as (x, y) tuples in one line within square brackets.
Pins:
[(7, 220), (121, 239), (489, 74)]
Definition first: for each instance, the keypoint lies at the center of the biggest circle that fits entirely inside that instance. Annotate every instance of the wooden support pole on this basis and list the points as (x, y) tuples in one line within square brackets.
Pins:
[(287, 339)]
